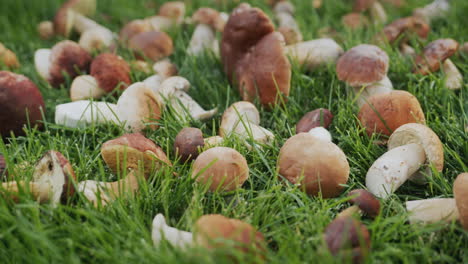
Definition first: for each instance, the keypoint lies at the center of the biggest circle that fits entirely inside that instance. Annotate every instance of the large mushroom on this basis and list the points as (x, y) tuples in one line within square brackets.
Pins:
[(21, 103), (208, 21), (153, 45), (412, 150)]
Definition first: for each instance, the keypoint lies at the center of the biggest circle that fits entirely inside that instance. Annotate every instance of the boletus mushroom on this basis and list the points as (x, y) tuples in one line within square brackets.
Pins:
[(8, 58), (363, 202), (376, 10), (208, 22), (153, 45), (287, 25), (189, 142), (317, 118)]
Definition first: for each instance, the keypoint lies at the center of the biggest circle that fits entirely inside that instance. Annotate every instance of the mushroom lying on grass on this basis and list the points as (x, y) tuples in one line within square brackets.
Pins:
[(189, 142), (317, 118), (204, 37), (436, 9), (8, 58), (154, 45), (315, 53), (163, 69), (287, 25), (363, 202)]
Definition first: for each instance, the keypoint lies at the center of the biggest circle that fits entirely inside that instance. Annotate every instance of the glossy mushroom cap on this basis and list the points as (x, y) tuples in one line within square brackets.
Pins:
[(63, 20), (317, 118), (188, 142), (21, 101), (393, 31), (318, 166), (69, 57), (366, 201), (460, 190), (209, 16), (111, 71), (434, 54), (362, 65), (154, 45), (133, 28), (221, 168), (217, 231), (384, 113)]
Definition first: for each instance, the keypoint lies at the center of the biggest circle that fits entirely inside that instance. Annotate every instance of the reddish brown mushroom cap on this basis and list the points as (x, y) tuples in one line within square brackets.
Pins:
[(318, 117), (366, 201), (361, 65), (393, 31), (384, 113), (188, 142), (152, 44), (434, 54), (460, 190), (111, 72), (67, 57), (133, 28), (21, 101)]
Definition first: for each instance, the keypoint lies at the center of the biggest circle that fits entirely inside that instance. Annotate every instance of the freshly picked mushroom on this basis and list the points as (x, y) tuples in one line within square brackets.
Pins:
[(317, 118), (253, 56), (364, 202), (163, 69), (354, 20), (189, 142), (65, 58), (108, 72), (412, 150), (436, 9), (134, 155), (364, 67), (384, 113), (153, 45), (220, 169), (203, 38), (442, 209), (72, 15), (315, 53), (376, 10), (83, 113), (287, 25), (46, 29), (52, 181), (434, 54), (8, 58), (21, 103)]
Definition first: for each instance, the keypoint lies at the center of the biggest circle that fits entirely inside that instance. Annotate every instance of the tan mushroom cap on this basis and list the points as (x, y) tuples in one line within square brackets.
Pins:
[(460, 190), (384, 113), (63, 20), (354, 20), (317, 165), (236, 114), (214, 231), (8, 57), (362, 5), (133, 28), (393, 31), (153, 44), (131, 149), (362, 65), (173, 9), (435, 53), (111, 71), (210, 17), (224, 169), (425, 137), (69, 57)]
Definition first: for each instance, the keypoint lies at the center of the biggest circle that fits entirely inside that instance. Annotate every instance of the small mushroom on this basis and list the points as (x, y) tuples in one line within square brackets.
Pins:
[(412, 150), (354, 21), (436, 9), (163, 69), (175, 10), (108, 72), (384, 113), (153, 45), (46, 29), (314, 163), (203, 37), (72, 14), (376, 10), (21, 103), (8, 58), (315, 53), (434, 54), (220, 169), (243, 120), (395, 31), (317, 118), (287, 25), (65, 58), (364, 202), (52, 180), (189, 142), (364, 67), (133, 28)]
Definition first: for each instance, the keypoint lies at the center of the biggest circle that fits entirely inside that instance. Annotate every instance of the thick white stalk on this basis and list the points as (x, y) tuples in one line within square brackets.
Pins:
[(321, 133), (380, 87), (84, 113), (96, 39), (177, 238), (183, 103), (42, 62), (432, 210), (315, 53), (85, 87), (202, 38), (378, 13), (453, 77)]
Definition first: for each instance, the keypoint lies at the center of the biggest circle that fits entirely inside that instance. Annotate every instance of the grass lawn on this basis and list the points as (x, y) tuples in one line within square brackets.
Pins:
[(292, 222)]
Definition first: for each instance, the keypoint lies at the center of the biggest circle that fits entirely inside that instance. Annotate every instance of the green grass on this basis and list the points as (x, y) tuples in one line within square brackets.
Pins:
[(291, 221)]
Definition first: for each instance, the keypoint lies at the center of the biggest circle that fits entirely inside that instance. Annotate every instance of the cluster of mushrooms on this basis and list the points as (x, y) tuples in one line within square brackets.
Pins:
[(256, 59)]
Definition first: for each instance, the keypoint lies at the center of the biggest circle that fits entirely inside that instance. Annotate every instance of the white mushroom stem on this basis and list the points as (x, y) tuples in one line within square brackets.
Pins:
[(203, 38), (96, 39), (393, 168), (432, 210), (321, 133), (42, 62), (213, 141), (436, 9), (82, 23), (315, 53), (85, 113), (85, 87), (453, 77), (378, 13), (380, 87), (246, 130), (177, 238)]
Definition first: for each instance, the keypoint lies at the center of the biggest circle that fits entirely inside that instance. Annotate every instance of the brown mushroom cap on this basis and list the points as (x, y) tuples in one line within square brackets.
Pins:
[(133, 28), (131, 149), (152, 44), (393, 31), (3, 167), (21, 101), (213, 231), (318, 117), (435, 53), (63, 20), (362, 65), (209, 16), (362, 5), (460, 190), (224, 169), (384, 113), (188, 142), (173, 9), (317, 165), (111, 71), (354, 20), (69, 57), (366, 201)]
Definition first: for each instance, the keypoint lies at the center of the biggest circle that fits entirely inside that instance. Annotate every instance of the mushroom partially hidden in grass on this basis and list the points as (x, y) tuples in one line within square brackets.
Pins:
[(436, 9), (153, 45), (317, 118), (315, 53), (52, 181), (189, 142), (209, 21), (21, 103), (287, 25), (363, 202), (8, 58), (376, 10), (412, 150), (163, 69)]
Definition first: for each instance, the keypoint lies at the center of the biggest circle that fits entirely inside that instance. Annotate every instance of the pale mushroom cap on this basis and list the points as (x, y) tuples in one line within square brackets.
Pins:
[(96, 39), (210, 17), (460, 190), (111, 72), (153, 44), (224, 169), (354, 20), (84, 87), (317, 165), (384, 113), (236, 114), (425, 137), (45, 29), (435, 53), (363, 64), (174, 10)]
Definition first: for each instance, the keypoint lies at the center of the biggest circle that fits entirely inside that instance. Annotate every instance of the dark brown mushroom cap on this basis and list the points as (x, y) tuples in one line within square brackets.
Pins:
[(69, 173), (188, 142), (460, 190), (362, 5), (394, 30), (348, 238), (361, 65), (434, 54), (384, 113), (152, 44), (133, 28), (70, 58), (245, 27), (318, 117), (366, 201), (110, 72), (20, 101), (63, 20), (265, 71)]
